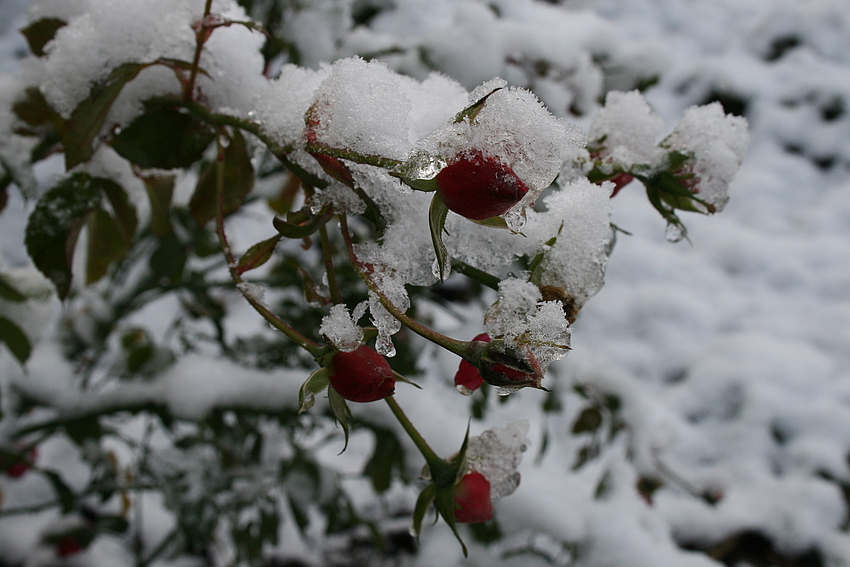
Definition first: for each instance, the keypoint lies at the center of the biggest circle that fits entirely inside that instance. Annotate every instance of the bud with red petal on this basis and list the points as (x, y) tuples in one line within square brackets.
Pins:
[(362, 375), (68, 546), (505, 366), (14, 464), (479, 186), (472, 499), (468, 378)]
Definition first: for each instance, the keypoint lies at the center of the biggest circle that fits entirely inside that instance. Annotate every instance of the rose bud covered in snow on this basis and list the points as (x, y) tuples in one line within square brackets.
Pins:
[(468, 378), (479, 186), (472, 499), (362, 375)]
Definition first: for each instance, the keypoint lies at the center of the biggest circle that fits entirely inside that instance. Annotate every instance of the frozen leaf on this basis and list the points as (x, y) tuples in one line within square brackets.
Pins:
[(55, 223), (40, 33), (164, 138), (88, 117)]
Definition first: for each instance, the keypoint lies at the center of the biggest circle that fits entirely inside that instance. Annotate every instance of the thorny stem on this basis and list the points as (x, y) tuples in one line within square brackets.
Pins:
[(310, 346), (460, 348), (200, 40)]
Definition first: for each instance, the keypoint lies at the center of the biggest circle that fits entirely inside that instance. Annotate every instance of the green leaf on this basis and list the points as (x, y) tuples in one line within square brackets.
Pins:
[(258, 254), (422, 502), (87, 119), (238, 182), (318, 381), (15, 339), (67, 498), (292, 230), (437, 221), (82, 429), (164, 138), (340, 411), (105, 245), (494, 222), (54, 225), (8, 291), (168, 261), (588, 421), (123, 210), (40, 33), (34, 109), (160, 189), (471, 111)]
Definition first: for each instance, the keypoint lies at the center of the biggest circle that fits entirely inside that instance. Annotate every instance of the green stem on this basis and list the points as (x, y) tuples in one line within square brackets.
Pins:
[(351, 155), (460, 348), (430, 456), (474, 273), (310, 346), (333, 285)]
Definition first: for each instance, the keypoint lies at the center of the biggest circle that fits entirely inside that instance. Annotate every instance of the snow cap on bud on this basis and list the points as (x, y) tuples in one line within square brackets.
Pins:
[(472, 499), (479, 186), (362, 375), (468, 378)]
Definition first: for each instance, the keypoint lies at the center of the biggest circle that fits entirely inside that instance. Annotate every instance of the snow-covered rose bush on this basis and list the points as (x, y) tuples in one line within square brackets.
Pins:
[(377, 192)]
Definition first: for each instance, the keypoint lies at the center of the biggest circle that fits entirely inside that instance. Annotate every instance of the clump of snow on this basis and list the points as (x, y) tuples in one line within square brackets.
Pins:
[(718, 142), (575, 262), (341, 328), (360, 106), (497, 453), (627, 129), (281, 104)]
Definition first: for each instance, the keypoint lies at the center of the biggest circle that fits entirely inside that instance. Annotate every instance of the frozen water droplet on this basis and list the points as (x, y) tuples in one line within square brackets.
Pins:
[(424, 166), (515, 218), (463, 390), (674, 232), (384, 345), (506, 390), (435, 269)]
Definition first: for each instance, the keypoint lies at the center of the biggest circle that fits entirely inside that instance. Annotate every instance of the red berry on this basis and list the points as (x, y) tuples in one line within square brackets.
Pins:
[(362, 375), (68, 545), (478, 187), (472, 499), (468, 375)]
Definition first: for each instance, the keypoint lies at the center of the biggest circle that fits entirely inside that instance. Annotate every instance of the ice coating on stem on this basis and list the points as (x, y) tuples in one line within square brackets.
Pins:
[(341, 328), (497, 454), (718, 142)]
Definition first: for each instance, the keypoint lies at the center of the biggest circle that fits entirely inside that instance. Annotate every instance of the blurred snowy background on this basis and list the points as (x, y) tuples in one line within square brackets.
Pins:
[(723, 364)]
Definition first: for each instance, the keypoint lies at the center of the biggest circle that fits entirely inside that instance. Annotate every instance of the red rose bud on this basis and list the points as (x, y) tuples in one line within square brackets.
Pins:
[(472, 499), (15, 465), (504, 366), (362, 375), (478, 187), (468, 378), (620, 180), (67, 546)]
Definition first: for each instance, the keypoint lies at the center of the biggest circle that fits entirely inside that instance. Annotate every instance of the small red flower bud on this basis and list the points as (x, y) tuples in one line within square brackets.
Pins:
[(15, 465), (468, 378), (477, 186), (362, 375), (67, 546), (472, 499), (620, 180)]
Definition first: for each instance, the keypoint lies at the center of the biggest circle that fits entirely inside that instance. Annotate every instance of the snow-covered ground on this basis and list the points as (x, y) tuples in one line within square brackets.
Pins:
[(729, 356)]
